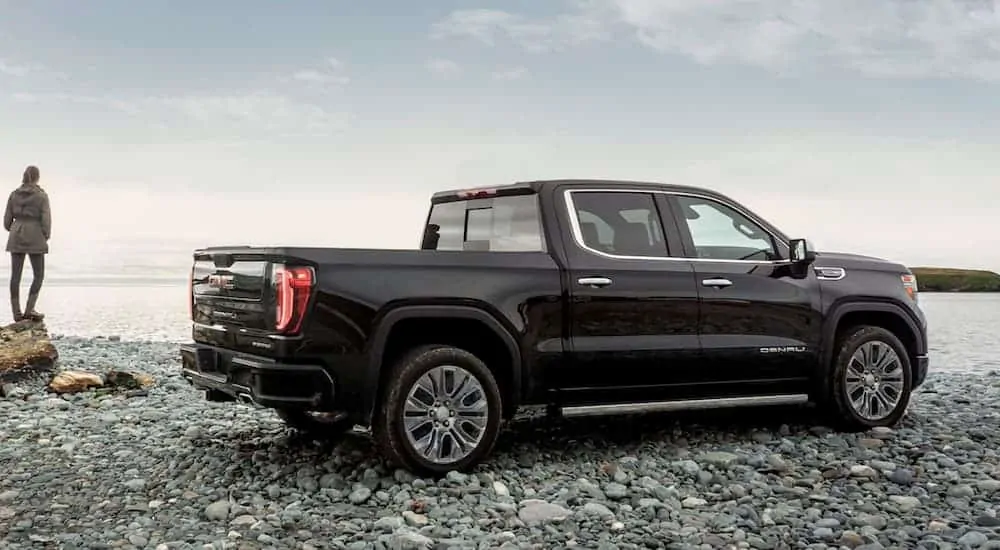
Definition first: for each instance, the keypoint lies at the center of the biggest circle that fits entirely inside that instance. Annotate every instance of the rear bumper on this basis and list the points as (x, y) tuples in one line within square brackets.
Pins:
[(257, 379)]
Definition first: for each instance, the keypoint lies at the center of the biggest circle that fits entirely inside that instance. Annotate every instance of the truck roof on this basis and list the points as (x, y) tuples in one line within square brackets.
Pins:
[(539, 185)]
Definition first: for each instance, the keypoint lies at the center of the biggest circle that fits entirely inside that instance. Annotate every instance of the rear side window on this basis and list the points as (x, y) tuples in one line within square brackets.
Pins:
[(620, 223), (501, 224)]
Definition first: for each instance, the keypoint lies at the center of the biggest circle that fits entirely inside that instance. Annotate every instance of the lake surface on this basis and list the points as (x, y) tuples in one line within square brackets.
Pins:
[(963, 330), (963, 327)]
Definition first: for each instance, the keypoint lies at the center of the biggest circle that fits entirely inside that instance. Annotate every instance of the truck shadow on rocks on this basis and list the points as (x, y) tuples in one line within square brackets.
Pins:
[(630, 433), (533, 438)]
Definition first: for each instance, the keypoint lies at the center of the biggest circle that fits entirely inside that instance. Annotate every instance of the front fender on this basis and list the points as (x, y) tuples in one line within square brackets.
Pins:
[(840, 309)]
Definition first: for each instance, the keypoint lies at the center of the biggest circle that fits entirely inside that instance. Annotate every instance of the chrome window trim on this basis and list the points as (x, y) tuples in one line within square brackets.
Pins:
[(578, 233)]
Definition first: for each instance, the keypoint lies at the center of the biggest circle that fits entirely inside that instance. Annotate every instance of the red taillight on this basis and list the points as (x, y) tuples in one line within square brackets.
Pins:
[(292, 288)]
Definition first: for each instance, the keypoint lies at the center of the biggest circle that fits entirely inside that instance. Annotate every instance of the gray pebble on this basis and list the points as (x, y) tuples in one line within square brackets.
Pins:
[(360, 495), (170, 471), (901, 476), (218, 510)]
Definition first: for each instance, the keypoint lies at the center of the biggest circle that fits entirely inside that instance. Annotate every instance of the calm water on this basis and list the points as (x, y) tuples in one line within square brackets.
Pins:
[(963, 327), (963, 331)]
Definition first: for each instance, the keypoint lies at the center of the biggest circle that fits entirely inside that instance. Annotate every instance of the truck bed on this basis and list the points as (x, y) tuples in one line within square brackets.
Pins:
[(354, 285)]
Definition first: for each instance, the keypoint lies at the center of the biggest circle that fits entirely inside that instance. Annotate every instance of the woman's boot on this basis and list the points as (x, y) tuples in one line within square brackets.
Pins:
[(15, 308), (29, 311)]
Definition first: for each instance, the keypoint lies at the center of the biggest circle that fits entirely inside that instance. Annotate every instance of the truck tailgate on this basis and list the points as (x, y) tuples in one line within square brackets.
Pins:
[(230, 291)]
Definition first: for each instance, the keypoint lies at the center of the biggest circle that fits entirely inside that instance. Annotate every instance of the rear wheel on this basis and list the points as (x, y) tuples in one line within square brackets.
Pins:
[(871, 379), (316, 423), (440, 411)]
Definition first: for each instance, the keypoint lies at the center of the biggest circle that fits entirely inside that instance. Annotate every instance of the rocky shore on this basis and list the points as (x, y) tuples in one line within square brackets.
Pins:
[(149, 464)]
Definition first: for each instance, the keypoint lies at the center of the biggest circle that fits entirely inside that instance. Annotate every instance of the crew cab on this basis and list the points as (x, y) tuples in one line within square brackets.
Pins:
[(589, 297)]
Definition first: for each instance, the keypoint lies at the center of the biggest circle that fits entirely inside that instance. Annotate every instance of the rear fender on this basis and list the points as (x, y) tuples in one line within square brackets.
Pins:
[(380, 336)]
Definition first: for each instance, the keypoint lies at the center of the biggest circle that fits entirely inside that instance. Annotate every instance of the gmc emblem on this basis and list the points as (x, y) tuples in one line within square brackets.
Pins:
[(224, 282)]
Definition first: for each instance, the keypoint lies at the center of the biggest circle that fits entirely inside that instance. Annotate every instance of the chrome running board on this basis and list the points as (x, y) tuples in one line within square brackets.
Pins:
[(684, 405)]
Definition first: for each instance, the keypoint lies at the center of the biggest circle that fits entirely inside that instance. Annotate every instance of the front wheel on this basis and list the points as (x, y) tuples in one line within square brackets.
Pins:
[(870, 380), (440, 411)]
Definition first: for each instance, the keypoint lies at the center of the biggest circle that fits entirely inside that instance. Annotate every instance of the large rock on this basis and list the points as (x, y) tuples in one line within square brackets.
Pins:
[(70, 381), (128, 380), (534, 512), (25, 350)]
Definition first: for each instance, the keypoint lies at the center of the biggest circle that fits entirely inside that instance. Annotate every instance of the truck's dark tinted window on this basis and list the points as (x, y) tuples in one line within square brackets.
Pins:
[(502, 224), (721, 233), (620, 223)]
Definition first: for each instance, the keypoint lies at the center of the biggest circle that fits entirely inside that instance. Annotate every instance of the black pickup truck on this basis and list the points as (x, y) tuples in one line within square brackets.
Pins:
[(590, 297)]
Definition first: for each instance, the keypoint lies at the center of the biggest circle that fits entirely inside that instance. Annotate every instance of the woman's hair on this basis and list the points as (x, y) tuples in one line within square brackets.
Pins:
[(31, 175)]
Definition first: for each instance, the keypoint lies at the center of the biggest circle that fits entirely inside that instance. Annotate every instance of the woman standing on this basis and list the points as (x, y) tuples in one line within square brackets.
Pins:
[(29, 222)]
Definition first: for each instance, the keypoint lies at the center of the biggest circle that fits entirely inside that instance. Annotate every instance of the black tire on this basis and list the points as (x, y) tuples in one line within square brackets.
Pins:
[(388, 430), (313, 425), (835, 398)]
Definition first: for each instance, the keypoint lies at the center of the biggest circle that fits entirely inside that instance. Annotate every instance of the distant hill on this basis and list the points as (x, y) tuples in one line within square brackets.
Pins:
[(942, 279)]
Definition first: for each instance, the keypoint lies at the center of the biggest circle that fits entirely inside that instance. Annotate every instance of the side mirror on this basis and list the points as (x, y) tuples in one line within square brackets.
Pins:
[(800, 252)]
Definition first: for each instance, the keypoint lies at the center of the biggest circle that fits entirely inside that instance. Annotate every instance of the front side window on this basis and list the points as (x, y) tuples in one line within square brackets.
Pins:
[(501, 224), (620, 223), (721, 233)]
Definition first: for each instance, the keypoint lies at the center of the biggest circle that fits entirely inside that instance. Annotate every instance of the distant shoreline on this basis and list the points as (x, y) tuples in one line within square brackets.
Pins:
[(929, 279), (942, 279), (116, 281)]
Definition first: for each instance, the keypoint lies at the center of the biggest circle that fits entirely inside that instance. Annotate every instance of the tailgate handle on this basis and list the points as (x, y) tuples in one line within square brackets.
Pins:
[(596, 282), (222, 260)]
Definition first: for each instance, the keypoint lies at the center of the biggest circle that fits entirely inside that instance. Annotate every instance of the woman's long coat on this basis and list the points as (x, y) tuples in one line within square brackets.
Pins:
[(28, 220)]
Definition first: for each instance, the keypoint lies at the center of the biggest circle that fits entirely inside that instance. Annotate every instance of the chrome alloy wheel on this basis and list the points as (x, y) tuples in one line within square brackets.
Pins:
[(445, 414), (874, 380)]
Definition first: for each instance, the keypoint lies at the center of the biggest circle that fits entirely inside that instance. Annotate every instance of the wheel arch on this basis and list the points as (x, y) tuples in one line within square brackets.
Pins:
[(391, 337), (888, 315)]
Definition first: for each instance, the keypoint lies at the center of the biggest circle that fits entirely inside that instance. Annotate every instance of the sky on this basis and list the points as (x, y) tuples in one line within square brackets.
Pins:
[(868, 127)]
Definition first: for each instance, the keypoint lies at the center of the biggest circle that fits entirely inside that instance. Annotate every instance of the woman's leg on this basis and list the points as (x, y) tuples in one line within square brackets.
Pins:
[(38, 275), (16, 267)]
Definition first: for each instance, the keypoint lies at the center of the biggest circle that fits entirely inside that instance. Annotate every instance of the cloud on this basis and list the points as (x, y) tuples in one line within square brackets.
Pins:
[(122, 105), (512, 73), (331, 74), (313, 76), (238, 111), (10, 68), (443, 67), (536, 35), (273, 113), (245, 107), (15, 69), (888, 38)]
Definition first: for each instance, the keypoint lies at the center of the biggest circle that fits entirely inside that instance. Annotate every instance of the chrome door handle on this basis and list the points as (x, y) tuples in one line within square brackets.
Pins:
[(717, 283), (596, 282)]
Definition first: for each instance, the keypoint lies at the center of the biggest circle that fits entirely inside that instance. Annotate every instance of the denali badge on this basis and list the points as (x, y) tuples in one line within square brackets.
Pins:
[(225, 282), (785, 349)]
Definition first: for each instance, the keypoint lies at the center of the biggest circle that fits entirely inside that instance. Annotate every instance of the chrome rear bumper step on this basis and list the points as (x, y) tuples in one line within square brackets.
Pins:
[(684, 405)]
